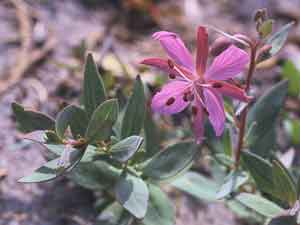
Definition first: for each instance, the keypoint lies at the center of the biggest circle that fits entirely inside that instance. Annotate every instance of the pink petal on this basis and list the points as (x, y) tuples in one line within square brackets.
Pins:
[(228, 64), (202, 50), (215, 108), (173, 90), (198, 122), (160, 64), (231, 90), (175, 48)]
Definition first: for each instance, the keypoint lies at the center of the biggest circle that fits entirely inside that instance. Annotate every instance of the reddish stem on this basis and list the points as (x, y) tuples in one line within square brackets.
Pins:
[(243, 120)]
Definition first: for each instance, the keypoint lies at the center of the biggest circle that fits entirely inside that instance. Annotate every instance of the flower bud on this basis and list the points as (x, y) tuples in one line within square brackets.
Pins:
[(219, 45)]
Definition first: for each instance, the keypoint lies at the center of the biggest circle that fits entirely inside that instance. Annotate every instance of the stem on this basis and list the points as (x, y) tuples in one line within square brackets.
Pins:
[(244, 113)]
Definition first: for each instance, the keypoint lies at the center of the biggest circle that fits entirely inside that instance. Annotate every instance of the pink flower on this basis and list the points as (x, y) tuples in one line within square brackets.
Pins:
[(192, 84)]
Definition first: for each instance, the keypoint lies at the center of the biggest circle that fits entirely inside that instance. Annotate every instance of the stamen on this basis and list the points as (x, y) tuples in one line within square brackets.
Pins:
[(190, 97), (194, 110), (185, 97), (217, 85), (172, 76), (171, 64), (206, 111), (170, 101)]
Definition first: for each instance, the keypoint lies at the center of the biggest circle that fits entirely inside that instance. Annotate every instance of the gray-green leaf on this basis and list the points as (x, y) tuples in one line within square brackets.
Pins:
[(259, 204), (74, 117), (133, 119), (160, 210), (197, 185), (133, 194), (103, 118), (263, 114), (29, 121), (125, 149), (94, 92), (170, 162)]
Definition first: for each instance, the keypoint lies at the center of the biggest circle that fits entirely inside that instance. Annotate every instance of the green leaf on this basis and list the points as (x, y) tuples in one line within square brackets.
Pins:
[(197, 185), (160, 210), (100, 125), (259, 204), (94, 92), (283, 220), (266, 28), (133, 119), (170, 162), (74, 117), (133, 194), (97, 175), (278, 39), (292, 128), (88, 156), (263, 114), (53, 169), (231, 184), (227, 143), (260, 170), (29, 121), (152, 138), (125, 149), (114, 214), (284, 186), (291, 73)]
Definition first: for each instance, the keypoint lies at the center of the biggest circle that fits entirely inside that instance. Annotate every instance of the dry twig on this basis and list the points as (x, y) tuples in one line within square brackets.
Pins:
[(28, 55)]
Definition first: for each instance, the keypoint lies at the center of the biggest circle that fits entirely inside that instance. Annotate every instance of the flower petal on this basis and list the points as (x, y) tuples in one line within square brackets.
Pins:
[(231, 90), (228, 64), (170, 99), (198, 122), (161, 64), (215, 108), (202, 50), (175, 48)]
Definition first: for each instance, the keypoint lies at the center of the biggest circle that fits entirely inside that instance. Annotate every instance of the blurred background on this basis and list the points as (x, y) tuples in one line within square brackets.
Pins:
[(42, 48)]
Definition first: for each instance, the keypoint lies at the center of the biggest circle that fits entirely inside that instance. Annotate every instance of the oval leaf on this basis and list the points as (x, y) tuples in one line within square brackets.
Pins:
[(132, 193), (284, 185), (133, 119), (29, 121), (278, 39), (152, 138), (260, 170), (259, 204), (231, 184), (262, 114), (197, 185), (160, 210), (94, 92), (53, 168), (74, 117), (125, 149), (97, 175), (170, 162), (283, 220), (100, 125)]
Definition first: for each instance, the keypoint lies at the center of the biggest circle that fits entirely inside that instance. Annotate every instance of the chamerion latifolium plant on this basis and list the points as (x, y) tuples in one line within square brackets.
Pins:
[(116, 151)]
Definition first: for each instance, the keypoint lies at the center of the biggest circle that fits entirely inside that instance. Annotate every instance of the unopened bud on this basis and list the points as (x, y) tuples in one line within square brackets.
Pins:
[(260, 15), (219, 45)]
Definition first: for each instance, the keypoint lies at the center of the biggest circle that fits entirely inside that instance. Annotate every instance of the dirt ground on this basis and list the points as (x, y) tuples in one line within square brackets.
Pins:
[(60, 202)]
